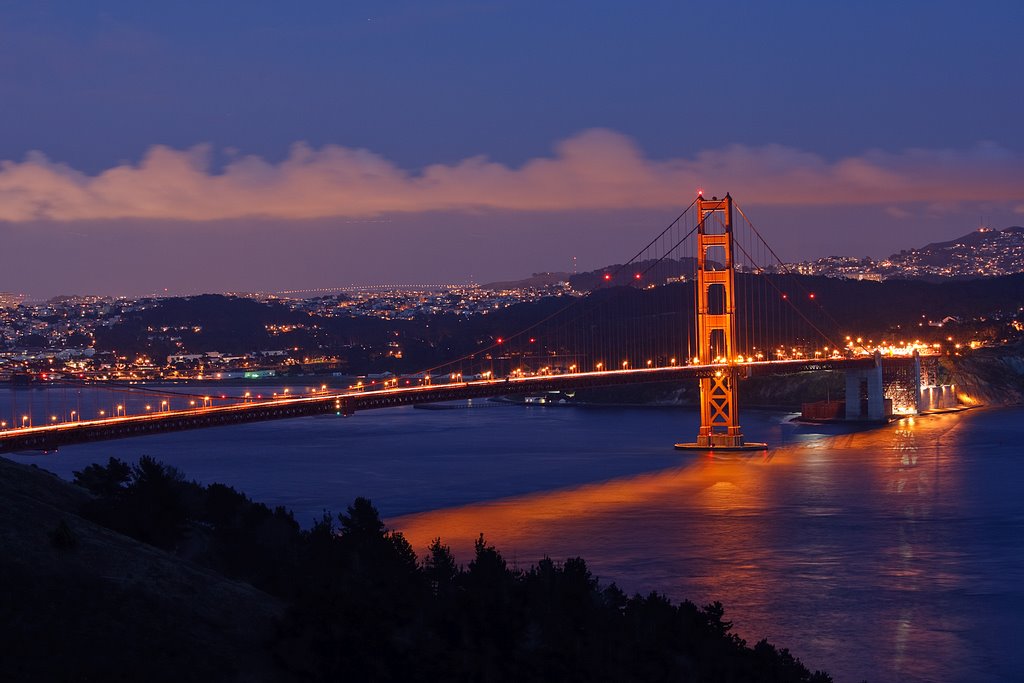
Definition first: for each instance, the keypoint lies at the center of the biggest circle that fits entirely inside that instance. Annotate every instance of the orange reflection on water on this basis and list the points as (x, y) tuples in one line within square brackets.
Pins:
[(826, 545), (719, 483)]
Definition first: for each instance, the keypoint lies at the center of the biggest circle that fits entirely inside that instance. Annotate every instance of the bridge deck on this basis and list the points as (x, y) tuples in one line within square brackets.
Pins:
[(50, 437)]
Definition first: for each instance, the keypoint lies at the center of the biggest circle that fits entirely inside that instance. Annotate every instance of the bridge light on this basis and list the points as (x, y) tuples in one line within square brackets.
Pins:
[(607, 276), (637, 276)]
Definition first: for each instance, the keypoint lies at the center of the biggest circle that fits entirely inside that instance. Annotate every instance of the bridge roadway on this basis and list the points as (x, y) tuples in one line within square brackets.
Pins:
[(50, 437)]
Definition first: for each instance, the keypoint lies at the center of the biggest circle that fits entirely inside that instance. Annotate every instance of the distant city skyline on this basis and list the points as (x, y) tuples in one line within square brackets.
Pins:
[(241, 147)]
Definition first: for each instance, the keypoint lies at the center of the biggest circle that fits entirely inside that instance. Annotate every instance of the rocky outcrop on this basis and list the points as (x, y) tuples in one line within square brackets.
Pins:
[(987, 376)]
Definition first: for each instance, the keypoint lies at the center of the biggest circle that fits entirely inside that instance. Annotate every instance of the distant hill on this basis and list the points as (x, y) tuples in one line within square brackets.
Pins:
[(647, 272), (535, 281), (977, 237), (983, 252)]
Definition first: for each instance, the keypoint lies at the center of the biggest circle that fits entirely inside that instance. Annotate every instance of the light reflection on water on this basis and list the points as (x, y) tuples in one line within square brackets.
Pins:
[(895, 554)]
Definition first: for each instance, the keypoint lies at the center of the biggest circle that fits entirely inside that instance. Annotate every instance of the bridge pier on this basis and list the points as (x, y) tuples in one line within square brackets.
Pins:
[(865, 393)]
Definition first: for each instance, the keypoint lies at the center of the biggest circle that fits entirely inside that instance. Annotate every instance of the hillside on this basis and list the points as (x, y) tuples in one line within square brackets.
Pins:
[(81, 602), (984, 252)]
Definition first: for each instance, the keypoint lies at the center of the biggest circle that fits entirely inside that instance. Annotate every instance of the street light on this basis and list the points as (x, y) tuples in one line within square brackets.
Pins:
[(120, 409), (24, 419)]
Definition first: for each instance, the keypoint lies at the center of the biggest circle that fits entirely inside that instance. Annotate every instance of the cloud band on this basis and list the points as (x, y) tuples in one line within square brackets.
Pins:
[(596, 169)]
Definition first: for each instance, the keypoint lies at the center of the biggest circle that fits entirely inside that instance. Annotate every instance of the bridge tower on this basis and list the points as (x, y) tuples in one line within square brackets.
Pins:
[(716, 329)]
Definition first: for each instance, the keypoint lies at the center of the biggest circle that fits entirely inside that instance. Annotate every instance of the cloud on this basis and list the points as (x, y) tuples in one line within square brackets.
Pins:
[(596, 169), (897, 212)]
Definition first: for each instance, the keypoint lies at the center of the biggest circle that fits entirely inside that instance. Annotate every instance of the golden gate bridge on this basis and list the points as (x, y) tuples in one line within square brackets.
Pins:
[(707, 299)]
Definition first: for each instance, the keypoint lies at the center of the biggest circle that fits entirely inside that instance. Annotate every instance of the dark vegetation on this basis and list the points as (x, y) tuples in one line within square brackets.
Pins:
[(609, 317), (362, 606)]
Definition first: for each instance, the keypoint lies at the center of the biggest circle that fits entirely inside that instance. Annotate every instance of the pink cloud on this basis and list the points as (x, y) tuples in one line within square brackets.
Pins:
[(596, 169)]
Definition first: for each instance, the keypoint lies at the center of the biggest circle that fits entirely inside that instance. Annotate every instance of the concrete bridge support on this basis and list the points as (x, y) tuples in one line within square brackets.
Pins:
[(865, 393)]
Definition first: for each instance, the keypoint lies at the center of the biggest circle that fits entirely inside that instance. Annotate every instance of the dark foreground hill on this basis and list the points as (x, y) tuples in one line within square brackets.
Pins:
[(81, 602), (261, 599)]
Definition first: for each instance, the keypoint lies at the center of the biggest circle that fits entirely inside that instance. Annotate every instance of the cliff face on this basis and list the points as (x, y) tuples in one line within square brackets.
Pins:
[(783, 391), (789, 391), (988, 376)]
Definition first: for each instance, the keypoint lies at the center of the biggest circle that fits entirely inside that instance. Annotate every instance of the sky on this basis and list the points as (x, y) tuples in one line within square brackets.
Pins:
[(196, 146)]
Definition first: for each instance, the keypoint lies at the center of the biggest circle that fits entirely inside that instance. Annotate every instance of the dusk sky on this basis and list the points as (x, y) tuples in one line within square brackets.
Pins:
[(272, 146)]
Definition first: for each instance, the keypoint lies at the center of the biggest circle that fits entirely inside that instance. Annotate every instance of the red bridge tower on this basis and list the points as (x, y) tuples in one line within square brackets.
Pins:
[(716, 329)]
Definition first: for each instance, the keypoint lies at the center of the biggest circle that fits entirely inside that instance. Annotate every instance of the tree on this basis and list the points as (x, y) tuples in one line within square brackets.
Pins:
[(104, 481)]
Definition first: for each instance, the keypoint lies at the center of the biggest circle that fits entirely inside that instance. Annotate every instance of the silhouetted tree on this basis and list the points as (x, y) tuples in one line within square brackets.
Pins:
[(104, 481)]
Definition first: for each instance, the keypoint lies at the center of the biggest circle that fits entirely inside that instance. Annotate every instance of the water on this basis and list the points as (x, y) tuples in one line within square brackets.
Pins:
[(893, 554)]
